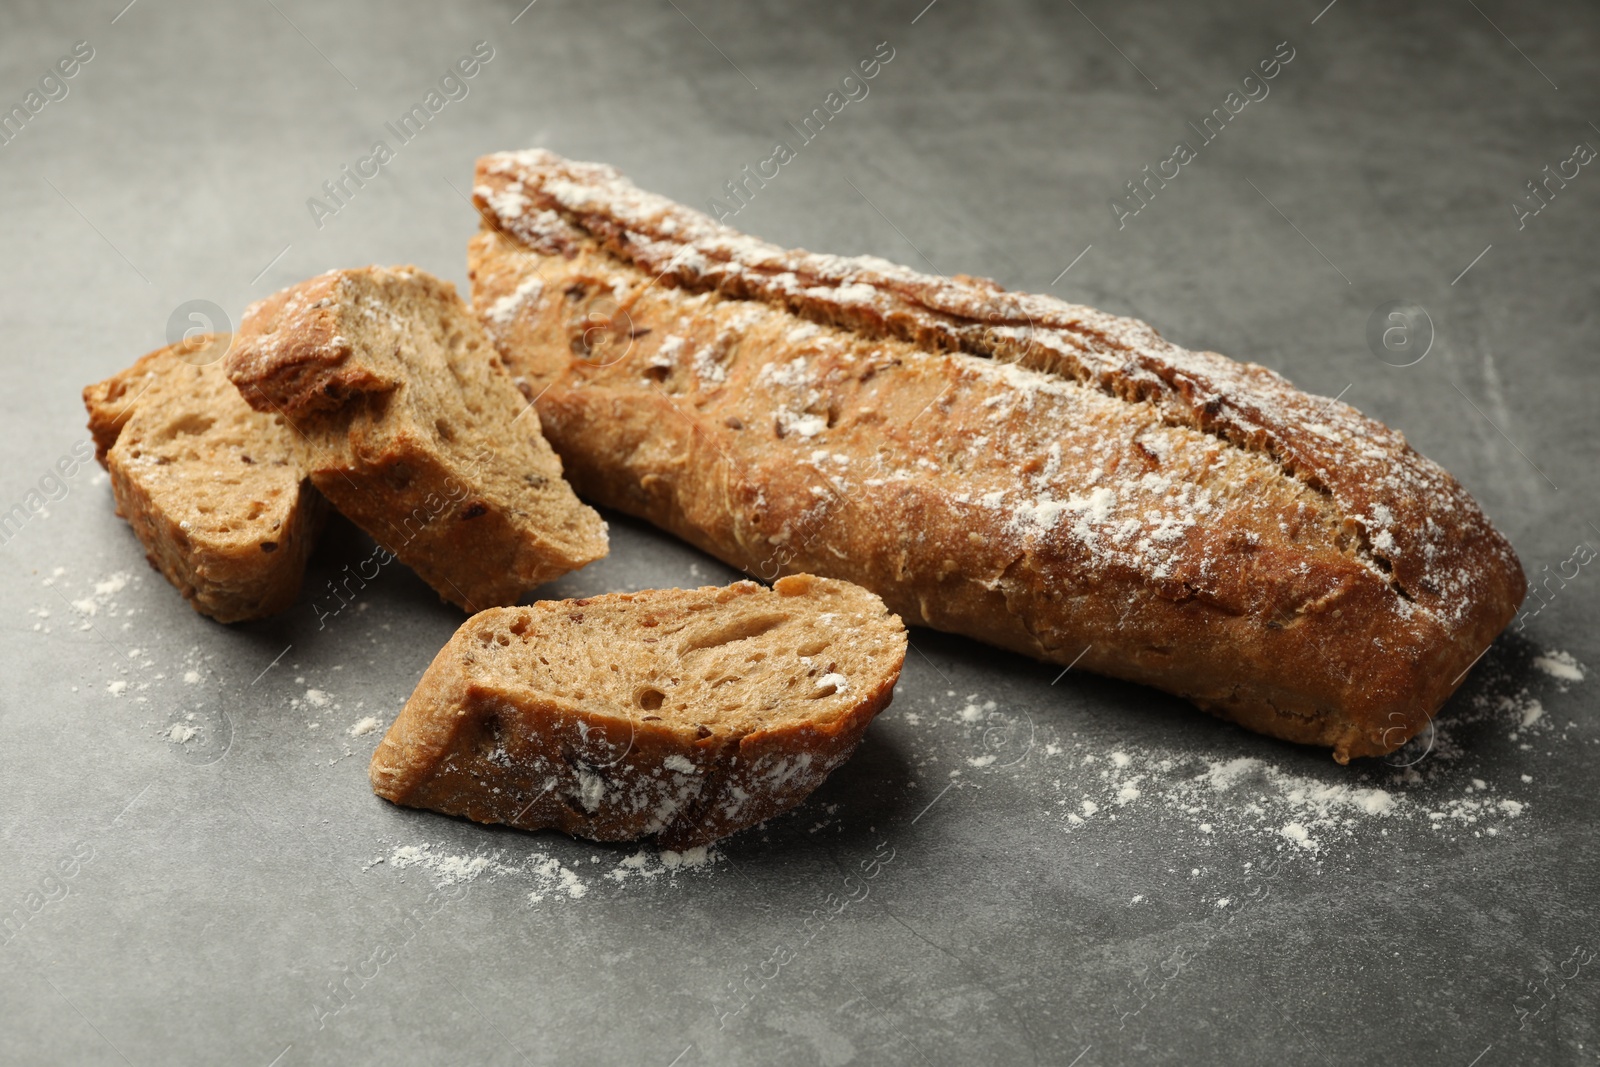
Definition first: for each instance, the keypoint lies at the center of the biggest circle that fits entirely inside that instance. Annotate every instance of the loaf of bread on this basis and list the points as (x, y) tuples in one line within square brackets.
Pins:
[(684, 714), (1041, 476), (418, 434), (218, 494)]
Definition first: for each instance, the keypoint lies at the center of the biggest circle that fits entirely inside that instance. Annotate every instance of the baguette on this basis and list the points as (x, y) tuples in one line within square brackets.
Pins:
[(218, 494), (684, 714), (1037, 475), (416, 431)]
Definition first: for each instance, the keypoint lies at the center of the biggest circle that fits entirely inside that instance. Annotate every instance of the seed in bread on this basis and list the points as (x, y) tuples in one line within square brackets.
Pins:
[(684, 714), (1038, 475), (418, 434), (219, 494)]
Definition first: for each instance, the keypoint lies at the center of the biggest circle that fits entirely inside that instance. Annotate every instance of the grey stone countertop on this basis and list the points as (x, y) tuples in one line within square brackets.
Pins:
[(1017, 866)]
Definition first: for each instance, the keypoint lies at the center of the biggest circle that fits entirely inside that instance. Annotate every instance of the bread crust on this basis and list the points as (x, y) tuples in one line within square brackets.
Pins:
[(473, 744), (182, 449), (425, 450), (1172, 517)]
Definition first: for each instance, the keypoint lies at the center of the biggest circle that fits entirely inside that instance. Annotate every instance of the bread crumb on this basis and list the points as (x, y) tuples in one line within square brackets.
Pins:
[(364, 727)]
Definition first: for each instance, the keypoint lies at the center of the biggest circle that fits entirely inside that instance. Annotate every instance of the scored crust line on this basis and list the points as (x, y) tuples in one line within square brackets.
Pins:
[(1144, 354)]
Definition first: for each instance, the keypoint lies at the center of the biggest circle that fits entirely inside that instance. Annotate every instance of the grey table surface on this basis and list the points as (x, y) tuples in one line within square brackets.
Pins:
[(1017, 867)]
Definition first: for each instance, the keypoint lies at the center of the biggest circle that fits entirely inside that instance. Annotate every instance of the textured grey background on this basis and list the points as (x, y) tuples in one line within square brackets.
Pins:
[(231, 885)]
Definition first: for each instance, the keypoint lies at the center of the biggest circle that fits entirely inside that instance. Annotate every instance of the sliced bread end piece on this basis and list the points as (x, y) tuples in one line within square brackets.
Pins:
[(420, 435), (217, 493), (684, 714)]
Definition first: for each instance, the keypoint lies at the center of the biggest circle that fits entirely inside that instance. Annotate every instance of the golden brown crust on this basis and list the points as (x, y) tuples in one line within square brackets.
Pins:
[(415, 431), (308, 365), (485, 736), (217, 493), (1049, 478)]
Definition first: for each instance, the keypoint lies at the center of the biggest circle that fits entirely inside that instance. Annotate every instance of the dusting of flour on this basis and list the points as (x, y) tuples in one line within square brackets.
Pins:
[(1436, 784), (546, 876)]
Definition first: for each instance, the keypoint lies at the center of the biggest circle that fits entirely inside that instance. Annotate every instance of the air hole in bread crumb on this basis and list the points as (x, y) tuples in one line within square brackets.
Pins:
[(651, 699), (443, 429), (811, 648), (193, 423), (735, 630), (520, 627)]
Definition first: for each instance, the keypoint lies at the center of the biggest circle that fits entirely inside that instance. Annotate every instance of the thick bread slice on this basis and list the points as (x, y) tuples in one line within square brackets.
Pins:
[(687, 714), (419, 435), (219, 494), (1034, 474)]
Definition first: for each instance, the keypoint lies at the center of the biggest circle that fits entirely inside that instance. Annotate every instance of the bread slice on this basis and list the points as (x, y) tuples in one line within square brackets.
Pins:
[(419, 435), (687, 714), (218, 494)]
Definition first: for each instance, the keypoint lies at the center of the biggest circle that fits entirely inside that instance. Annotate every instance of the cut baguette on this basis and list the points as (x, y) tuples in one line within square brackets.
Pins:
[(419, 436), (1031, 473), (686, 714), (217, 493)]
